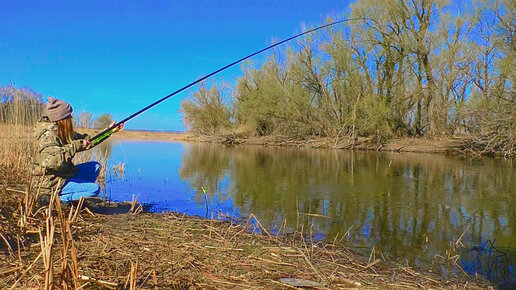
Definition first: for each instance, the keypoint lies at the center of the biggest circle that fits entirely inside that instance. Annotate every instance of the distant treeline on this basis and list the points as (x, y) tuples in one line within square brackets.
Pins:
[(24, 106), (409, 68)]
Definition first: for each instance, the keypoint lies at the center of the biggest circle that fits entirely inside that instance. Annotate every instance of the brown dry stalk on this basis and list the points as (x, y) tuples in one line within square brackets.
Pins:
[(132, 278), (272, 262), (26, 271), (73, 218), (8, 271), (458, 242), (312, 266), (155, 280), (259, 224), (7, 243), (102, 283), (46, 243), (371, 264), (64, 241), (135, 210)]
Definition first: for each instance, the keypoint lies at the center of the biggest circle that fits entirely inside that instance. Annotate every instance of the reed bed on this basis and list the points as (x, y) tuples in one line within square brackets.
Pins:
[(171, 251), (15, 204)]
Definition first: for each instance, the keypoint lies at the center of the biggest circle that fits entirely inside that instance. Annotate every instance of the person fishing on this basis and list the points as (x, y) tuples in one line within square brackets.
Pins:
[(57, 144)]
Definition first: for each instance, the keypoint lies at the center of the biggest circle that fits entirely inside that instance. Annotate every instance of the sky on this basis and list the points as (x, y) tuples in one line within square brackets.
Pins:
[(120, 56)]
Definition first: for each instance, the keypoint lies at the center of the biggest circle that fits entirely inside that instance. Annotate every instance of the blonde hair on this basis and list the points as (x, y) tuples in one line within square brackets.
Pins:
[(65, 130)]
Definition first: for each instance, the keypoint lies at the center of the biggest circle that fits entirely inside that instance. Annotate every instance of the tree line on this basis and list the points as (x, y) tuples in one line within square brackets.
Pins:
[(407, 68), (24, 106)]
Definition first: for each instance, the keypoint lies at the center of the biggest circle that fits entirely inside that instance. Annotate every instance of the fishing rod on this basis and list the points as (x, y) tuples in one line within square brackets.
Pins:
[(116, 127)]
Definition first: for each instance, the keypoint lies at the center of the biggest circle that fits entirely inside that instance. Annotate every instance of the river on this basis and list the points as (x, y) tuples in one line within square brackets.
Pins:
[(426, 210)]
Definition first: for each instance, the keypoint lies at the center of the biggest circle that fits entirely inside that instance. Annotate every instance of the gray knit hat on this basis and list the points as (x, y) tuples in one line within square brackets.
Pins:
[(57, 109)]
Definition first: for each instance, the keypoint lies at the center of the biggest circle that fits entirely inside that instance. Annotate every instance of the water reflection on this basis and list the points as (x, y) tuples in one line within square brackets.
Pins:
[(408, 206)]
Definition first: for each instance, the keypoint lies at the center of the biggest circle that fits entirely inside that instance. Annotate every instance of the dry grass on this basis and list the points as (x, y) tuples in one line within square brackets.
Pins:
[(176, 251), (15, 204)]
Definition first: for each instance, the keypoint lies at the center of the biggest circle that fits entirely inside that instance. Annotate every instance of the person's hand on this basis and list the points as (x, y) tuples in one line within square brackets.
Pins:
[(85, 143), (120, 126)]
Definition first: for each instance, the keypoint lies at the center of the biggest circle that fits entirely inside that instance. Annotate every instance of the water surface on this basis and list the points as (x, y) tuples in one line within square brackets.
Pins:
[(410, 207)]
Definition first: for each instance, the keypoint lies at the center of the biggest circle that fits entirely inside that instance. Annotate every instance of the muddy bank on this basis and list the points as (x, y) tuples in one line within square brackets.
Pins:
[(449, 145), (440, 145)]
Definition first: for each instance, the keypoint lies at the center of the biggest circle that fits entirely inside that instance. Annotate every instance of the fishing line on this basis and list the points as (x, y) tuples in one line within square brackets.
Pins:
[(109, 131)]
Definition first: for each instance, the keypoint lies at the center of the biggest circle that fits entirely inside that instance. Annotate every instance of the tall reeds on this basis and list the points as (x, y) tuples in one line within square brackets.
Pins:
[(19, 109), (20, 106), (53, 219)]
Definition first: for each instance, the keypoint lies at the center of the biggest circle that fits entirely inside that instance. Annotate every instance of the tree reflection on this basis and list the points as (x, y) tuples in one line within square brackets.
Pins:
[(406, 205), (205, 166)]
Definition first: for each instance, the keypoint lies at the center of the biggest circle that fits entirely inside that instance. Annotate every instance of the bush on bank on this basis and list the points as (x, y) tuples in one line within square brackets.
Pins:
[(409, 68)]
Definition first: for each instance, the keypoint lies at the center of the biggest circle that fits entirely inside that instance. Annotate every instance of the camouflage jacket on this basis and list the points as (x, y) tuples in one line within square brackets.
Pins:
[(52, 161)]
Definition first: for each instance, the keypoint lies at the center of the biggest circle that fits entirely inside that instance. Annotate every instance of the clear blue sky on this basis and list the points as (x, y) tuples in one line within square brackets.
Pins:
[(119, 56)]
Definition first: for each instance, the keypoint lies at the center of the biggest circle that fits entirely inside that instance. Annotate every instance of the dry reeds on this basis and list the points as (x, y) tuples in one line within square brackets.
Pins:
[(451, 256), (47, 243), (69, 272), (20, 106), (135, 208), (132, 278), (173, 251), (119, 170), (176, 251)]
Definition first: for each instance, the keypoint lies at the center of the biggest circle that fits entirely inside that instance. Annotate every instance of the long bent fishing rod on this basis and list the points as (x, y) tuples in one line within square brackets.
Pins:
[(109, 131)]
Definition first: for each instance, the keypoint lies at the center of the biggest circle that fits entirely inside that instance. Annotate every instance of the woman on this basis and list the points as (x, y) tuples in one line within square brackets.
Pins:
[(52, 163)]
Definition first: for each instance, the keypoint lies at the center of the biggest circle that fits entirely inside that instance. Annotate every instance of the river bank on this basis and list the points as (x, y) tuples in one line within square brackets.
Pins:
[(446, 145), (459, 145), (177, 251)]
